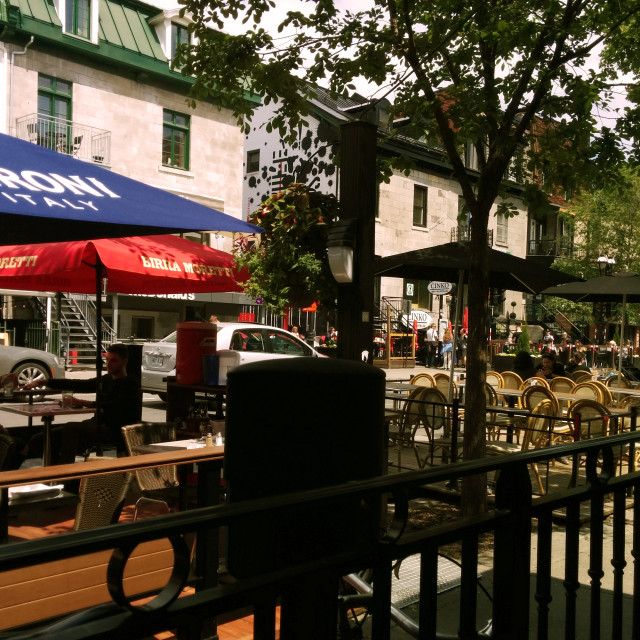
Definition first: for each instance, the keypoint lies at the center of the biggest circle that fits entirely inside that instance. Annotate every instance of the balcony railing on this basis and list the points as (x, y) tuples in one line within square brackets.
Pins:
[(65, 136), (561, 247), (463, 234)]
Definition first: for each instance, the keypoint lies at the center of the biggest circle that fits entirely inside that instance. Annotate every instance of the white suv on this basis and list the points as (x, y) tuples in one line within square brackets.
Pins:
[(253, 341)]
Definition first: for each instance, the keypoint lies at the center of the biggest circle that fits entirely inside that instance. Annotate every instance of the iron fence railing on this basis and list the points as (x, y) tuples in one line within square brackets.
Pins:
[(562, 247), (463, 234), (521, 578), (38, 337), (65, 136)]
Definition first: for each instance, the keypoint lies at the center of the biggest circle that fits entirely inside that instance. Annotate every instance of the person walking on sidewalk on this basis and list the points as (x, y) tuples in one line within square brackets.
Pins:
[(432, 345), (447, 347)]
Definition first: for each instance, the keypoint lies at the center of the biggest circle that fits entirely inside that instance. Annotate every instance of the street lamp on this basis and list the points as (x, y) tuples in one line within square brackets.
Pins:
[(340, 247), (605, 265)]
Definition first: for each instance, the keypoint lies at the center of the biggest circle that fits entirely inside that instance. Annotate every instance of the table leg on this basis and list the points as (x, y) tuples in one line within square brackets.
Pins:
[(46, 447)]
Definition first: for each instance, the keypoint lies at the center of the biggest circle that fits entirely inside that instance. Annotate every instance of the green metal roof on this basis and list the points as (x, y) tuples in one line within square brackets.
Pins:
[(125, 37)]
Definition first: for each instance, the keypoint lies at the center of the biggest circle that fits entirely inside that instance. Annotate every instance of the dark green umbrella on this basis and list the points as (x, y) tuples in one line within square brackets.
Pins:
[(620, 287)]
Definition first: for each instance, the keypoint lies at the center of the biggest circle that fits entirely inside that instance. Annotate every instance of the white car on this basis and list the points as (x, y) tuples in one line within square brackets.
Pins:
[(254, 341), (29, 363)]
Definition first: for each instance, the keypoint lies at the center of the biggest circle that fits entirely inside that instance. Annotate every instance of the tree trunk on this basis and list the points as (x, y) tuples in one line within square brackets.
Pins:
[(474, 492)]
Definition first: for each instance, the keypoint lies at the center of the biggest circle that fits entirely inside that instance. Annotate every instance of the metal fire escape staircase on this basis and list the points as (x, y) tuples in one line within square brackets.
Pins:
[(79, 326), (390, 324)]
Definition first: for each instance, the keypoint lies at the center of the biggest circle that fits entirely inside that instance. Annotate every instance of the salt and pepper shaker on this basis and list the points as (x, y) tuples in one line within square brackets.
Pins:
[(208, 440), (219, 439)]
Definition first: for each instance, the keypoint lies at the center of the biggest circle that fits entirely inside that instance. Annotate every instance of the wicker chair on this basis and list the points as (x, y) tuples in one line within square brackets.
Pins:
[(535, 437), (562, 384), (618, 381), (511, 380), (442, 384), (535, 381), (435, 418), (588, 390), (595, 418), (495, 379), (159, 483), (580, 376), (423, 380), (101, 500)]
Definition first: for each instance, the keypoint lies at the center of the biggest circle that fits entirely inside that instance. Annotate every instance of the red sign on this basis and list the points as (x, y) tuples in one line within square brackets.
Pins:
[(247, 317)]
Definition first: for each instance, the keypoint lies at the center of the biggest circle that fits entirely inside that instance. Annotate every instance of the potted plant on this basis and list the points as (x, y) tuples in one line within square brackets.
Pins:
[(289, 267)]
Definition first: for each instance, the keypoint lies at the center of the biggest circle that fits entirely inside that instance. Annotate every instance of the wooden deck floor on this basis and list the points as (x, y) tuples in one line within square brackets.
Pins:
[(59, 521)]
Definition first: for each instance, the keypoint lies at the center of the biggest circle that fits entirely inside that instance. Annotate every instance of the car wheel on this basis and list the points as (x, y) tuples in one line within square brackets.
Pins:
[(29, 371)]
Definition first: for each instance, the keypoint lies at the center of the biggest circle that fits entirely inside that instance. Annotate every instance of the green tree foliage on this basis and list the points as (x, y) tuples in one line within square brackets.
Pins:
[(511, 78), (607, 223), (522, 343), (289, 267)]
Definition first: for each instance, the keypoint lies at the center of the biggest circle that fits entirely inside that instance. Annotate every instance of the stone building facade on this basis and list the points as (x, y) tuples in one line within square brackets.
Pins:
[(419, 210), (93, 79)]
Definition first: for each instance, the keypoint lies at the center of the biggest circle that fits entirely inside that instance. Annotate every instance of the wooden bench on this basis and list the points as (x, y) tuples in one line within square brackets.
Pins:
[(41, 592)]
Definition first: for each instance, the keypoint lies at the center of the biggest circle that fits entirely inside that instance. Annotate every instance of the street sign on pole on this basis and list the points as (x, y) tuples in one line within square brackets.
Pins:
[(439, 288)]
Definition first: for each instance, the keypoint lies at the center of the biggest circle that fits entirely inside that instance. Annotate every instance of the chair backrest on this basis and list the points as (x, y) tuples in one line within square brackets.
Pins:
[(7, 450), (511, 380), (490, 394), (618, 382), (423, 380), (534, 395), (142, 433), (495, 379), (562, 384), (629, 401), (594, 418), (434, 412), (605, 395), (588, 391), (411, 411), (442, 384), (537, 431), (533, 382), (101, 500), (580, 376)]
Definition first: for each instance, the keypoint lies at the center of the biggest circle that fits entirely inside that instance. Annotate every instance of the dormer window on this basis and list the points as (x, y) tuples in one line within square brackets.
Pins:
[(179, 35), (79, 18), (172, 30)]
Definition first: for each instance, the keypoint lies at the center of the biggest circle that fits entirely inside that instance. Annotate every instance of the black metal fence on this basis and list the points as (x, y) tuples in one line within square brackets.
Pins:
[(528, 599)]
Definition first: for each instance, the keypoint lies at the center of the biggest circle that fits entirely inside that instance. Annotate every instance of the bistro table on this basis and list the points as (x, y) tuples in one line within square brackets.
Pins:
[(47, 411)]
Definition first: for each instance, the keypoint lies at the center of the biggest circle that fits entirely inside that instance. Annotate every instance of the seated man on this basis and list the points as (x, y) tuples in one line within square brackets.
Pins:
[(120, 404)]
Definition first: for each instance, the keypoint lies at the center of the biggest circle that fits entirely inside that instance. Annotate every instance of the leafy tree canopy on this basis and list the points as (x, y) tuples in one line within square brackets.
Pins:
[(514, 78), (501, 65), (606, 223)]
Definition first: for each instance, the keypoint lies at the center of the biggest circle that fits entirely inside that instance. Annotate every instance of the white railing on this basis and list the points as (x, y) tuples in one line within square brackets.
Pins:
[(71, 138)]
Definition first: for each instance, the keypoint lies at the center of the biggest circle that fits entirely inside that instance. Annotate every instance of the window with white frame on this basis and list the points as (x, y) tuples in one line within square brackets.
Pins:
[(79, 18), (502, 231), (179, 36), (419, 206)]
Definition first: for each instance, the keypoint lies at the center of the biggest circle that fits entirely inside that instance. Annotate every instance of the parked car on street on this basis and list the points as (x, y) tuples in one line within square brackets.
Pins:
[(30, 363), (253, 342)]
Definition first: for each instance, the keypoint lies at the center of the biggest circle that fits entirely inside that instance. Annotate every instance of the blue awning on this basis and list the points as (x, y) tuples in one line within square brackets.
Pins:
[(47, 196)]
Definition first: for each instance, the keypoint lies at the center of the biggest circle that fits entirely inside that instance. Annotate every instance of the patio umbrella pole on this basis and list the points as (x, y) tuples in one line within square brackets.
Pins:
[(99, 275), (454, 345)]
